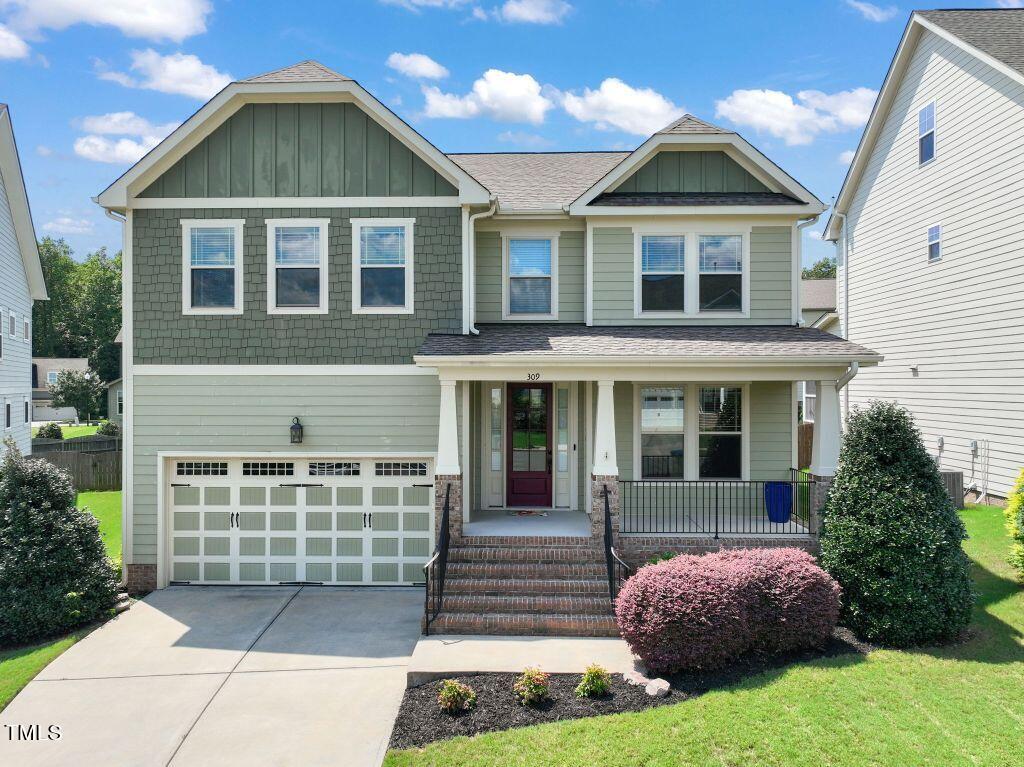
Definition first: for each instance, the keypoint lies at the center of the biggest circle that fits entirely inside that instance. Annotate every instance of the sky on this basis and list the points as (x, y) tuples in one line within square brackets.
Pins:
[(94, 84)]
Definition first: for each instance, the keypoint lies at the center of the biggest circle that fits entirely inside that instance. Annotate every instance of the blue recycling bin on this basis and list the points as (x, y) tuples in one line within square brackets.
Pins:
[(778, 500)]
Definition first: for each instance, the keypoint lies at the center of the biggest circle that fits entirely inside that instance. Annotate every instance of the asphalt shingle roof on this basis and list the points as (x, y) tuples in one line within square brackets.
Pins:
[(563, 340), (997, 32), (304, 72), (818, 294), (690, 125)]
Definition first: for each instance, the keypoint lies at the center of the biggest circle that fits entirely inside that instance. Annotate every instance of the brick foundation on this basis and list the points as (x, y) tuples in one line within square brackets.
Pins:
[(441, 482), (140, 579), (819, 493), (597, 484)]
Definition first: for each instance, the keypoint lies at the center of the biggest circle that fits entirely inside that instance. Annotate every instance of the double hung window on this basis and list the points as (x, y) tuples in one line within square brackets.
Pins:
[(531, 268), (662, 432), (212, 274), (382, 266), (720, 432), (662, 273), (297, 266)]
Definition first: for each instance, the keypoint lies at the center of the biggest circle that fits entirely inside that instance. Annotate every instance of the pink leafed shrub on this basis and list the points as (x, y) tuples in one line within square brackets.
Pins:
[(700, 612)]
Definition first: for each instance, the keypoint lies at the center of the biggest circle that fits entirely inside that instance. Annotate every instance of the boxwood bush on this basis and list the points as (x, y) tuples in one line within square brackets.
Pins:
[(50, 431), (700, 612), (891, 536), (1015, 523), (109, 429), (54, 571)]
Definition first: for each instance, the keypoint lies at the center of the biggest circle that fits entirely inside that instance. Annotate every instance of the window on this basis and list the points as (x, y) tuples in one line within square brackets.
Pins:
[(202, 468), (400, 469), (531, 264), (934, 243), (212, 273), (51, 377), (7, 414), (926, 134), (333, 469), (297, 266), (497, 424), (810, 400), (120, 401), (12, 325), (721, 273), (662, 267), (268, 469), (720, 427), (28, 417), (28, 330), (662, 433), (382, 266)]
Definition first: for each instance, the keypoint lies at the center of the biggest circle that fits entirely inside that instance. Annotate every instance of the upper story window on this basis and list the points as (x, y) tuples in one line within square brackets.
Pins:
[(934, 243), (51, 377), (662, 432), (531, 266), (27, 329), (212, 267), (721, 273), (662, 273), (120, 401), (12, 325), (382, 266), (720, 427), (926, 134), (297, 266)]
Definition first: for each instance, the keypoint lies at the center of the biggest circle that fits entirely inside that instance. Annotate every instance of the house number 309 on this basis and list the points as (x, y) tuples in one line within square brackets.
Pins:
[(533, 376)]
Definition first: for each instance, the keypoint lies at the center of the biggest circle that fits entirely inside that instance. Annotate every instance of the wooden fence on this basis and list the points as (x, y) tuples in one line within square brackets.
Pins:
[(88, 444), (89, 471), (805, 439)]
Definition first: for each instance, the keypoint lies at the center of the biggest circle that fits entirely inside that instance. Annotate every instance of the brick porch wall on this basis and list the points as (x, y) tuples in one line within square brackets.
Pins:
[(597, 485), (441, 481), (140, 579), (637, 550)]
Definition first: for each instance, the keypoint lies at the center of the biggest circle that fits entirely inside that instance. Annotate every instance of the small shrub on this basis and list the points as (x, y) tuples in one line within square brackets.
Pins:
[(664, 556), (109, 429), (1015, 523), (50, 431), (700, 612), (532, 687), (596, 682), (891, 536), (454, 697)]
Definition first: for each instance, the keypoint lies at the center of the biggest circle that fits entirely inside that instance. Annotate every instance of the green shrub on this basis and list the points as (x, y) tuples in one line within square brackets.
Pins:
[(1015, 523), (891, 536), (109, 429), (596, 682), (54, 571), (454, 697), (50, 431), (663, 556), (532, 687)]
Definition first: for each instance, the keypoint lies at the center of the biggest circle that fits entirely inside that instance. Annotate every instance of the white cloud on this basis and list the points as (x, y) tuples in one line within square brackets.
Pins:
[(617, 105), (417, 5), (480, 14), (154, 19), (138, 134), (417, 65), (533, 11), (1010, 3), (845, 158), (779, 115), (502, 96), (68, 225), (11, 46), (44, 151), (524, 139), (872, 12), (180, 73)]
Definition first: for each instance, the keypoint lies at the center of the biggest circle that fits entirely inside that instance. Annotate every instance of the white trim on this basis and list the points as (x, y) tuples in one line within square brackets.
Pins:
[(588, 275), (467, 474), (795, 272), (467, 274), (928, 243), (288, 455), (323, 224), (162, 203), (794, 427), (506, 277), (8, 414), (934, 131), (357, 226), (283, 370), (128, 376), (119, 401), (21, 213), (187, 225), (27, 412), (26, 326)]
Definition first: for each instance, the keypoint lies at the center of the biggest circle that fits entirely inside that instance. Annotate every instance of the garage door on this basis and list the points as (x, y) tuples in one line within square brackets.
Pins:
[(282, 520)]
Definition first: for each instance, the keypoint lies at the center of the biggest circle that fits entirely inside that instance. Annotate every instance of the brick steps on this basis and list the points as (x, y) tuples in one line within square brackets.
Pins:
[(528, 603), (529, 555), (525, 624), (525, 570), (520, 586)]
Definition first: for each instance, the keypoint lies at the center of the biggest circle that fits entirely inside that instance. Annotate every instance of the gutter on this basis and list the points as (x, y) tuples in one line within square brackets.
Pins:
[(797, 308), (471, 261), (848, 375), (123, 220)]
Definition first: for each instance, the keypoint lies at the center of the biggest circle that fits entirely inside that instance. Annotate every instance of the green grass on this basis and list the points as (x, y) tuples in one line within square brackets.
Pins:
[(19, 666), (957, 705), (106, 507), (72, 431)]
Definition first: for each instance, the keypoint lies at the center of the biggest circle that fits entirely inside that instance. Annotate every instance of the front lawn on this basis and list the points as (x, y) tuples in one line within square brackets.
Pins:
[(956, 705), (106, 507), (19, 666), (70, 430)]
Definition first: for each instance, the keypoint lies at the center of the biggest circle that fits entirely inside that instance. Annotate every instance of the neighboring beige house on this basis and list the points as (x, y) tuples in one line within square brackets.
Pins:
[(818, 309), (928, 226), (115, 401), (44, 374)]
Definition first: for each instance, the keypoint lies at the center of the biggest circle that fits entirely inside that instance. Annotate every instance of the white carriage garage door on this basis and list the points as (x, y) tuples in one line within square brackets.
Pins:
[(284, 520)]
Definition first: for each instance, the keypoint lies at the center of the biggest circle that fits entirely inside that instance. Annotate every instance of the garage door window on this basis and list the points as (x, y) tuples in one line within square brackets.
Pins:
[(333, 469), (401, 469), (268, 469), (202, 468)]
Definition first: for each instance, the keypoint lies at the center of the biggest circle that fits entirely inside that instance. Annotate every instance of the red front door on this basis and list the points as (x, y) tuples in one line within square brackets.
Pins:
[(529, 445)]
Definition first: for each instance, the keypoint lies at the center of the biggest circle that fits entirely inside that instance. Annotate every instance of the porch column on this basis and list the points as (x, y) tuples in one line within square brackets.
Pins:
[(447, 471), (605, 472), (827, 430)]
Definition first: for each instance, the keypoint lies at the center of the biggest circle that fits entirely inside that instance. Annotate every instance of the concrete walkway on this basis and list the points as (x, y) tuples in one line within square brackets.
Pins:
[(438, 657), (225, 676)]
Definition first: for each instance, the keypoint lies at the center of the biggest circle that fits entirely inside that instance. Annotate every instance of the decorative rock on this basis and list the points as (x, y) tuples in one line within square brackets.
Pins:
[(639, 667), (658, 688), (635, 678)]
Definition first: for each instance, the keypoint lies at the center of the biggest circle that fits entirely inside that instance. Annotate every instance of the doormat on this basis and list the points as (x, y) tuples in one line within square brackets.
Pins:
[(526, 513)]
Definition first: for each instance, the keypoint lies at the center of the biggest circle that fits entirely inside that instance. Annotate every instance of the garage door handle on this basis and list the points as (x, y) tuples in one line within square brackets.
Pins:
[(429, 484)]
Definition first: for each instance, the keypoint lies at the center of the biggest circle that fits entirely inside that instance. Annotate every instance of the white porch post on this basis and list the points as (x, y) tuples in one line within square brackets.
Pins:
[(605, 460), (447, 433), (827, 429)]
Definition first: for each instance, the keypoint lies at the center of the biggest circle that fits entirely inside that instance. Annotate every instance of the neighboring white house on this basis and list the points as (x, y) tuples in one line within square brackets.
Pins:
[(929, 226), (818, 310), (44, 375), (21, 283)]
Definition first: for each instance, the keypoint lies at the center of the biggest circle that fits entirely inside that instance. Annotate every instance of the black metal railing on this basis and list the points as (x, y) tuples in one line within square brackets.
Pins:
[(717, 507), (437, 566), (618, 570)]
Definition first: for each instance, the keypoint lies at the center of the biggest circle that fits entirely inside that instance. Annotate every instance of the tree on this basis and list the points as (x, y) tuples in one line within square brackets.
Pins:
[(891, 536), (823, 269), (54, 325), (82, 391), (98, 297), (1015, 523)]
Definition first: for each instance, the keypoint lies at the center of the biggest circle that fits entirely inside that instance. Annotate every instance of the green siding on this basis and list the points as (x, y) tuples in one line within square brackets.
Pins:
[(771, 429), (300, 150), (488, 277), (672, 171), (771, 276), (623, 397), (357, 414)]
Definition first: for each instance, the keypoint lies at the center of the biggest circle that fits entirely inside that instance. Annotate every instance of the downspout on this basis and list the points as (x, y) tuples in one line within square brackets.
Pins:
[(123, 220), (798, 314), (471, 266), (844, 316), (846, 377)]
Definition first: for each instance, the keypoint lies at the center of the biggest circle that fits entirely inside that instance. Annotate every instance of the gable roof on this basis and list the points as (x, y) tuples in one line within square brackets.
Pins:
[(308, 71), (17, 198), (818, 294), (689, 125), (994, 36)]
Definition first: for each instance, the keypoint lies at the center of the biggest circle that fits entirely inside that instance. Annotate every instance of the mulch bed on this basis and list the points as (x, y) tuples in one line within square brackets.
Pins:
[(421, 721)]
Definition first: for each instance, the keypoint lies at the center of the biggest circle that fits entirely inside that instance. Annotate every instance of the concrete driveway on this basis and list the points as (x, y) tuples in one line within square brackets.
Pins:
[(303, 675)]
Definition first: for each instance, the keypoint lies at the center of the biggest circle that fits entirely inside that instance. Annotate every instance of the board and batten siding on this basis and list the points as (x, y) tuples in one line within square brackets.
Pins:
[(300, 150), (957, 320), (16, 357), (370, 415), (489, 277), (771, 279), (691, 171)]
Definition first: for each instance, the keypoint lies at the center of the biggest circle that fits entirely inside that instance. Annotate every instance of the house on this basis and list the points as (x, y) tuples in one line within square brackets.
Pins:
[(818, 309), (925, 226), (115, 392), (344, 348), (44, 375), (21, 284)]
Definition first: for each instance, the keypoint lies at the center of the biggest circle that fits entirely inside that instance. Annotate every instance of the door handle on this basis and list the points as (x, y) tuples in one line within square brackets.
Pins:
[(371, 520)]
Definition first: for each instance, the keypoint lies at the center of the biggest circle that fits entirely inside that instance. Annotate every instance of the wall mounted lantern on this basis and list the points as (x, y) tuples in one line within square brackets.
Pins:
[(296, 431)]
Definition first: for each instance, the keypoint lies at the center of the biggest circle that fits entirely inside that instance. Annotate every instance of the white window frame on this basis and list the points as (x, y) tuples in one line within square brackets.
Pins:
[(928, 245), (8, 415), (187, 225), (684, 432), (12, 325), (804, 396), (28, 410), (691, 270), (506, 276), (53, 373), (934, 131), (358, 224), (120, 401), (27, 327), (323, 224)]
